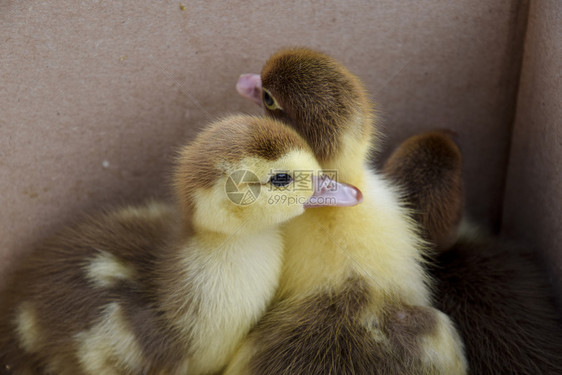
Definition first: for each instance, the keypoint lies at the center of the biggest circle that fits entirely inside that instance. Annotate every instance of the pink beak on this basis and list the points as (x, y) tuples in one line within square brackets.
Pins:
[(249, 86), (328, 192)]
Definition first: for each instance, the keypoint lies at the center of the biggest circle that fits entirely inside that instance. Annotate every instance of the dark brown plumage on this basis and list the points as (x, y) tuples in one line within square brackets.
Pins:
[(497, 292), (66, 302), (334, 325), (428, 167), (499, 296)]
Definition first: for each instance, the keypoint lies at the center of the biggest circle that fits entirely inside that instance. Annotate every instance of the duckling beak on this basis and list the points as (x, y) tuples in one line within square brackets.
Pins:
[(328, 192), (249, 86)]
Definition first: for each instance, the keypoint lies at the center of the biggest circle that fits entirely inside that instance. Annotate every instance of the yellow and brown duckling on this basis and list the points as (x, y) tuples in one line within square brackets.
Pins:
[(496, 291), (354, 297), (167, 288)]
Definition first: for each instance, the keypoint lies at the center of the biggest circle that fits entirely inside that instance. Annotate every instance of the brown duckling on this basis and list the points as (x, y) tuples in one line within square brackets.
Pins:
[(160, 288), (354, 297), (496, 291), (428, 169)]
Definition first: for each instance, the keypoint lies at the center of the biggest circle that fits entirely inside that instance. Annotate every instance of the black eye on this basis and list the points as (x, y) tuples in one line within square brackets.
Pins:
[(267, 99), (281, 179)]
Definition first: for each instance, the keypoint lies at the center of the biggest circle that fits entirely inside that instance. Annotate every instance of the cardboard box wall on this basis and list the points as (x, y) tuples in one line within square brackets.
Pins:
[(95, 97)]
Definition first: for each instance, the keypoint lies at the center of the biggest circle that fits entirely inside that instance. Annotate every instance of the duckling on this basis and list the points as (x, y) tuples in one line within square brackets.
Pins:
[(167, 288), (428, 169), (354, 297), (496, 291)]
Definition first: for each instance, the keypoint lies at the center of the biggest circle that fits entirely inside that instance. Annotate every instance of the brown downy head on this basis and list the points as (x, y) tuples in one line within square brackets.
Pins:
[(314, 94), (428, 167)]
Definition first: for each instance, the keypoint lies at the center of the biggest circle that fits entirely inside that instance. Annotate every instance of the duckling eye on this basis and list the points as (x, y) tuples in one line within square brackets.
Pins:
[(281, 179), (269, 101)]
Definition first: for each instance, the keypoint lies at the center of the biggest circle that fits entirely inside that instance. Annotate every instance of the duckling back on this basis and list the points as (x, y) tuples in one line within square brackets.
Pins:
[(87, 295), (503, 303)]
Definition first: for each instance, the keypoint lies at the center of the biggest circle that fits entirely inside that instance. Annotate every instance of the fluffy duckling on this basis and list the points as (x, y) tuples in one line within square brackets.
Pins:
[(167, 289), (496, 291), (354, 297)]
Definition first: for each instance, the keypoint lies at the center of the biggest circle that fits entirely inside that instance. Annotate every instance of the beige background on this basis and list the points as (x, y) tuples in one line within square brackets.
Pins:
[(95, 96), (533, 201)]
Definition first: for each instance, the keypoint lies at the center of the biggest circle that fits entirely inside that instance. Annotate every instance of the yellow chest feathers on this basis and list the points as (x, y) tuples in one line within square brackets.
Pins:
[(375, 240), (231, 284)]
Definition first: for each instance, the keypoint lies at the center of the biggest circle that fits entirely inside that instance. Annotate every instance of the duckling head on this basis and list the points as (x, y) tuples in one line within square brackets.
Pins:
[(319, 98), (244, 174)]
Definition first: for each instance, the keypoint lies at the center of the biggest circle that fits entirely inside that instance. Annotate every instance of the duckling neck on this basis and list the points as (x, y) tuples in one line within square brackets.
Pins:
[(349, 166), (351, 161), (350, 172)]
